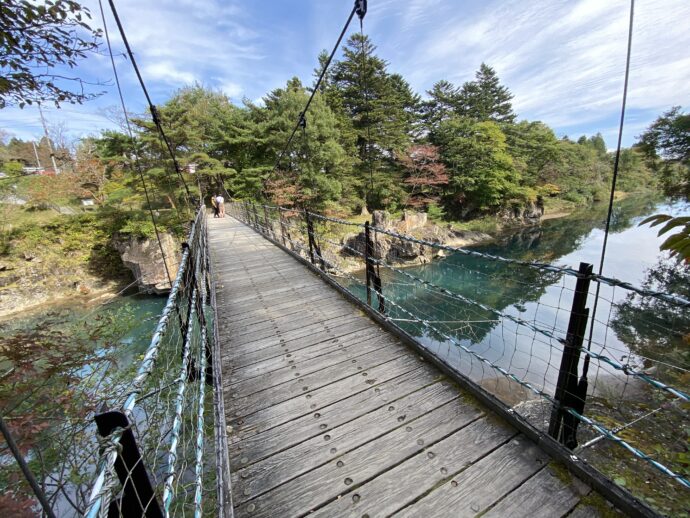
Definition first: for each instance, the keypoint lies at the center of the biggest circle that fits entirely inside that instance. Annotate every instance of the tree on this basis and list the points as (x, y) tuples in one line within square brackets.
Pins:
[(443, 102), (425, 174), (596, 142), (485, 98), (668, 137), (482, 174), (535, 150), (34, 39), (666, 144), (383, 111), (316, 161)]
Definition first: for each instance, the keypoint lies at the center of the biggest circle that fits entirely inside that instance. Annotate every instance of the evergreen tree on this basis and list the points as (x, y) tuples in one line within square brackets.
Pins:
[(316, 162), (485, 98), (443, 102), (482, 174), (383, 111)]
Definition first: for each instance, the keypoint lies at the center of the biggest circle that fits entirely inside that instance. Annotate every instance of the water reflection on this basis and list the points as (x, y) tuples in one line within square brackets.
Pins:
[(542, 299)]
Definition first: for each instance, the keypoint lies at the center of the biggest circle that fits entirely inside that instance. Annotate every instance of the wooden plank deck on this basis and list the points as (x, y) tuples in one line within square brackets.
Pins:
[(330, 415)]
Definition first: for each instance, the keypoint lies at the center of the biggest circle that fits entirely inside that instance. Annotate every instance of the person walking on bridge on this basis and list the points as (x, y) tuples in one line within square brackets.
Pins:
[(220, 201), (214, 204)]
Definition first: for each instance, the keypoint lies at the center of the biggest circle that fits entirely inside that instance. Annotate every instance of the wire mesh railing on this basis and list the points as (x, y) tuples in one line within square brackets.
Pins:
[(124, 428), (157, 457), (611, 386)]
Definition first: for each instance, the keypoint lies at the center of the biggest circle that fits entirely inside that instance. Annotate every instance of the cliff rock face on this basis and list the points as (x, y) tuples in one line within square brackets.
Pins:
[(398, 251), (143, 257), (528, 215)]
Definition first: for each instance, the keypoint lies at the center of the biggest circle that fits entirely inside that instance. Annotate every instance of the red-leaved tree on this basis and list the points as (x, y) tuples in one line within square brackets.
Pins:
[(425, 174)]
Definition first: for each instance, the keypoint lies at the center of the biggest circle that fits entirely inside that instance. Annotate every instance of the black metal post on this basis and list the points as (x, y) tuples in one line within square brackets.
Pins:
[(137, 497), (310, 236), (245, 205), (567, 394), (267, 220), (282, 226), (369, 268), (255, 215)]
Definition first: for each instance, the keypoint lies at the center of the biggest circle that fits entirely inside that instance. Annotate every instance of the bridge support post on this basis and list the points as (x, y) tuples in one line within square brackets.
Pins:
[(245, 206), (569, 392), (269, 228), (137, 496), (313, 245), (368, 251), (257, 225), (310, 236)]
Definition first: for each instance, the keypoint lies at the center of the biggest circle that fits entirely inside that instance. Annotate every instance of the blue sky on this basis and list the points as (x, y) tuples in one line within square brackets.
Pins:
[(563, 60)]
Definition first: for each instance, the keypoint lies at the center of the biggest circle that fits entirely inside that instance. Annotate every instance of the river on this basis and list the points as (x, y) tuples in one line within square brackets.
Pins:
[(636, 339), (58, 366)]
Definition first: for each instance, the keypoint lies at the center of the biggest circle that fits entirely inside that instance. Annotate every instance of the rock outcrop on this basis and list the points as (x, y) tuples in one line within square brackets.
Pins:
[(403, 252), (143, 257)]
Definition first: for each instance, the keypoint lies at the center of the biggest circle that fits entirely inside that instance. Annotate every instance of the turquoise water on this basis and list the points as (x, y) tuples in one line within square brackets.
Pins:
[(625, 329), (59, 366)]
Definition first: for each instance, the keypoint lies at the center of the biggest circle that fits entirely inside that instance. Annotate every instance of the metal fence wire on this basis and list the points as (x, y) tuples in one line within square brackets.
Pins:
[(525, 332), (139, 432), (158, 454)]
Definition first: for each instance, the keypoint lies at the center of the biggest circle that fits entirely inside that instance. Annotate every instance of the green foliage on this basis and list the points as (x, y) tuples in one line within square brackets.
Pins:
[(482, 174), (12, 168), (485, 98), (36, 36), (678, 244), (666, 145)]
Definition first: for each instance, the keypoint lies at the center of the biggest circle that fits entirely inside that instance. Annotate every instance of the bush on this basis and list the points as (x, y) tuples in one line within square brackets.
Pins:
[(434, 212)]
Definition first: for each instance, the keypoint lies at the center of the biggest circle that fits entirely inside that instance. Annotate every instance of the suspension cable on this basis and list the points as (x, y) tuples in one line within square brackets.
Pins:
[(365, 92), (585, 368), (152, 107), (359, 8), (134, 148)]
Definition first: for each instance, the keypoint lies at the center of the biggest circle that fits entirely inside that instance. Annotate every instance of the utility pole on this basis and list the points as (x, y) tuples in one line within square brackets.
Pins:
[(50, 145), (38, 160)]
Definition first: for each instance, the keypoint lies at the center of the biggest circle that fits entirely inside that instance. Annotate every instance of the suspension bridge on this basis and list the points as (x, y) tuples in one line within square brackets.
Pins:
[(281, 382), (297, 369)]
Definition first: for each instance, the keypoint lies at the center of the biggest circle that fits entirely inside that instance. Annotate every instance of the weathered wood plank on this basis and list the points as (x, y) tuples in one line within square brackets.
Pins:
[(256, 446), (292, 334), (338, 356), (315, 399), (322, 485), (385, 494), (263, 476), (296, 386), (272, 348), (544, 495), (482, 484)]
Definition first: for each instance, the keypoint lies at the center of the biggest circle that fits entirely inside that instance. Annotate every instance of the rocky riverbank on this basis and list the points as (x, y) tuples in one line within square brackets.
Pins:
[(402, 252), (48, 275)]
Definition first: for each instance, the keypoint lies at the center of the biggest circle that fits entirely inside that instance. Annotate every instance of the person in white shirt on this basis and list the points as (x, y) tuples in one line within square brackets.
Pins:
[(220, 202)]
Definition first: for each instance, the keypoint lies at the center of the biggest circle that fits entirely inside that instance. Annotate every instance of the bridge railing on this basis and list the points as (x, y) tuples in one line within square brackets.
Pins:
[(97, 420), (161, 451), (596, 363)]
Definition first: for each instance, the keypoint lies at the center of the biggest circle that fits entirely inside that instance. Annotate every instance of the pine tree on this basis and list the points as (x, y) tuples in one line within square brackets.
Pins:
[(444, 101), (315, 161), (485, 98), (383, 110)]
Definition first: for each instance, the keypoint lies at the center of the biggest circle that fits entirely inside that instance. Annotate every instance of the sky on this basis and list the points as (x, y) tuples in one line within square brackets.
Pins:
[(563, 60)]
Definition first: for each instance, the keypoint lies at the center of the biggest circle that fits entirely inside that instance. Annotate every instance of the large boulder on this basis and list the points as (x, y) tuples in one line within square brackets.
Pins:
[(143, 257), (412, 220)]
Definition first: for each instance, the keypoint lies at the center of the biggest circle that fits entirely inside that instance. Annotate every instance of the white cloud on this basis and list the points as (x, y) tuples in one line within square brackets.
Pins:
[(167, 72), (564, 61)]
